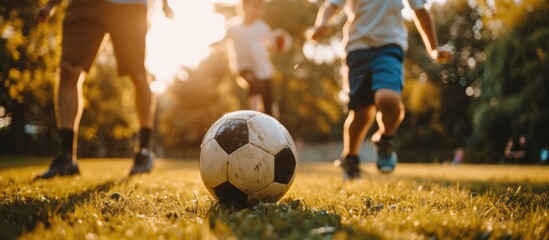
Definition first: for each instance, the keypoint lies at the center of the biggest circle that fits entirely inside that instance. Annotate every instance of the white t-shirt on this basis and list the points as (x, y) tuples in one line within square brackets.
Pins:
[(248, 47), (373, 23)]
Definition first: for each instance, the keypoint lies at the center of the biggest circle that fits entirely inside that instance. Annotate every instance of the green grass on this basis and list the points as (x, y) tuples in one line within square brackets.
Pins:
[(415, 202)]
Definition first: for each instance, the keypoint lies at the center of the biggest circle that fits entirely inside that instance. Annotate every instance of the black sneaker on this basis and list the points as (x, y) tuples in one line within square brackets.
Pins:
[(64, 164), (350, 167), (386, 155), (142, 162)]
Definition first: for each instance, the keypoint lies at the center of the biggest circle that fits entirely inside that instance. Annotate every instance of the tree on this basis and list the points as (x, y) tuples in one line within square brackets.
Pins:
[(515, 98), (440, 122), (27, 73)]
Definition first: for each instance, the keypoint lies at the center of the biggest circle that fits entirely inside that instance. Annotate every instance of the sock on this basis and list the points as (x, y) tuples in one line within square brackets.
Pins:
[(351, 156), (144, 137), (68, 143), (386, 138)]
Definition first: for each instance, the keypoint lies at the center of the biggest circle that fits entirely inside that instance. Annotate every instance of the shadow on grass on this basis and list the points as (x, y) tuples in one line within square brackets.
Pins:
[(12, 162), (21, 214), (287, 220)]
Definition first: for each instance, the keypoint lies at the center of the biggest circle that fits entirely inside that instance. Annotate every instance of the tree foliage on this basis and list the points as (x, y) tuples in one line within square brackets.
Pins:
[(28, 57), (494, 88), (441, 121), (515, 98)]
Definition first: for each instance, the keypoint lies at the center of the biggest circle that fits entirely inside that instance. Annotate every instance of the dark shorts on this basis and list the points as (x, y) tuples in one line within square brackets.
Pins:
[(86, 23), (256, 86), (262, 87), (372, 69)]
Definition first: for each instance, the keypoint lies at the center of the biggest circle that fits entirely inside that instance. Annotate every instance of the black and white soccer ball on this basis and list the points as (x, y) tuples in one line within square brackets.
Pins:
[(247, 157)]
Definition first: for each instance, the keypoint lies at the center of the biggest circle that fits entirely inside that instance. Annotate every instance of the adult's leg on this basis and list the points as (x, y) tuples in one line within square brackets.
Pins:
[(145, 107), (144, 100), (82, 36), (68, 106), (68, 97), (127, 26)]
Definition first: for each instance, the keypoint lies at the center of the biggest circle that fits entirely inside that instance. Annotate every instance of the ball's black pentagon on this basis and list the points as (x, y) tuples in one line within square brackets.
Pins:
[(228, 195), (284, 166), (232, 134)]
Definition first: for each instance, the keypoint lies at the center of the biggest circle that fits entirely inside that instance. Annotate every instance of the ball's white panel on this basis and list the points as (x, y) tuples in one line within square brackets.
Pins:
[(271, 193), (210, 134), (242, 114), (250, 168), (267, 133), (213, 164)]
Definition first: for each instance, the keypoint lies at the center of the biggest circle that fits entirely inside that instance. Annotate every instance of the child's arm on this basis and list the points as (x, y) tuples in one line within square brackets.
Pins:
[(168, 12), (45, 11), (325, 13), (424, 23), (280, 40)]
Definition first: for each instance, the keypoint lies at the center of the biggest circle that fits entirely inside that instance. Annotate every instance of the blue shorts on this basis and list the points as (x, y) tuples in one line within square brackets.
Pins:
[(372, 69)]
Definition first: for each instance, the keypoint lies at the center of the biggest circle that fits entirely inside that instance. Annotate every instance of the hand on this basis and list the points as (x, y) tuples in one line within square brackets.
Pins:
[(168, 12), (442, 55), (318, 32), (279, 40), (282, 40), (43, 13)]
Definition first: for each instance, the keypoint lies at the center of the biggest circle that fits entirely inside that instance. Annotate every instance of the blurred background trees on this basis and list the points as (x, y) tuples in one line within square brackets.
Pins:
[(514, 97), (496, 86)]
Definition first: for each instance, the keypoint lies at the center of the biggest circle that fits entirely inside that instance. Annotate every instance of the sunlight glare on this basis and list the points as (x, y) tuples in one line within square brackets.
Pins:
[(158, 87), (182, 42)]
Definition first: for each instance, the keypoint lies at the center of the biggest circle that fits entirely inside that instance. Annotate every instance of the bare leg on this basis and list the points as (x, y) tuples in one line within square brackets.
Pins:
[(355, 128), (68, 101), (389, 104), (145, 107), (144, 100), (276, 110), (255, 102), (68, 109), (381, 128)]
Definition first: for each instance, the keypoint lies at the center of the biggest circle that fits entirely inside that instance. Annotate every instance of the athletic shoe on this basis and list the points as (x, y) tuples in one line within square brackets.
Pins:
[(350, 167), (64, 164), (142, 162), (386, 156)]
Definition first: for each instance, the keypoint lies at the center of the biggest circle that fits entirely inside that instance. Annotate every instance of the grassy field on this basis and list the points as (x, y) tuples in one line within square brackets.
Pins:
[(415, 202)]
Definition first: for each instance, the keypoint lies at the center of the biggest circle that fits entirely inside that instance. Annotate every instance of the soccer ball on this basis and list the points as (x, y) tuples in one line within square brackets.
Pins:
[(247, 157)]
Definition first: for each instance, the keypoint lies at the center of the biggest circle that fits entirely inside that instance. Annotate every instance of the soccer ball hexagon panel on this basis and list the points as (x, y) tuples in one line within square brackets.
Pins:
[(251, 168), (262, 133), (247, 157)]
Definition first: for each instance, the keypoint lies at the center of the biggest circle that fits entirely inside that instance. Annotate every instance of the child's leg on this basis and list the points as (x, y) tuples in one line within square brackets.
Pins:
[(389, 104), (255, 102), (381, 128), (267, 93), (355, 128)]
